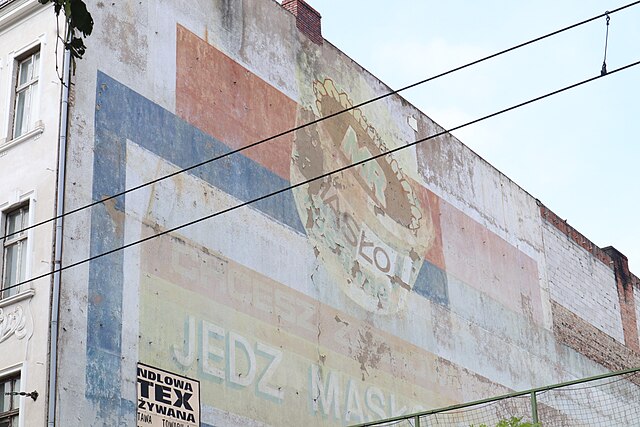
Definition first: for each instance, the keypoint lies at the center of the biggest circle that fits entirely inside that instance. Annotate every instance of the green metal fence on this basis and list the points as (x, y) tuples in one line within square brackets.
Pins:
[(608, 400)]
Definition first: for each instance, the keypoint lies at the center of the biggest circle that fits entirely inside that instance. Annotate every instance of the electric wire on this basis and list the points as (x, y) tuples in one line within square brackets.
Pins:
[(324, 175), (313, 122)]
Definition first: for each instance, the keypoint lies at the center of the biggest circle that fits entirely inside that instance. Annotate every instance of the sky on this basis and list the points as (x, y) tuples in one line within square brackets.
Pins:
[(577, 152)]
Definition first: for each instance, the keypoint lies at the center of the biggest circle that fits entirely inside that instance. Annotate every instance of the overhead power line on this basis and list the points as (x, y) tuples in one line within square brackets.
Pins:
[(324, 175), (329, 116)]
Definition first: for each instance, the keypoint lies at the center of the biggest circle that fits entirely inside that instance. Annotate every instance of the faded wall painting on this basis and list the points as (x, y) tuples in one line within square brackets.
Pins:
[(356, 296), (367, 223)]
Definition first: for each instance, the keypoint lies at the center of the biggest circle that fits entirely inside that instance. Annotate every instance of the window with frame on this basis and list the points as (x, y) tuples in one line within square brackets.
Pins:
[(24, 111), (14, 258), (9, 401)]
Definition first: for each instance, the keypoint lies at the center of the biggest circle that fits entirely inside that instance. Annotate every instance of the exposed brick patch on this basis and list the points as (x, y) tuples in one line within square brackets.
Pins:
[(586, 339), (307, 19), (625, 281), (573, 234)]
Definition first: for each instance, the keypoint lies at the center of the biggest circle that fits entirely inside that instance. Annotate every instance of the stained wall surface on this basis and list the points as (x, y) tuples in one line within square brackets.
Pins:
[(417, 280)]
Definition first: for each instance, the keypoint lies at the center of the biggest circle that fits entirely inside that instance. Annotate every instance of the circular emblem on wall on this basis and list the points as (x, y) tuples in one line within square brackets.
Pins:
[(366, 223)]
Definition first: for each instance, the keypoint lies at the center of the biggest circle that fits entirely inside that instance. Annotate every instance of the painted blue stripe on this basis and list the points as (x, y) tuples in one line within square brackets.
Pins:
[(130, 115), (123, 114), (104, 310)]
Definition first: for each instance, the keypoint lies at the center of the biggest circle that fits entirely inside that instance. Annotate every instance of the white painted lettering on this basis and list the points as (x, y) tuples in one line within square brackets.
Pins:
[(235, 377), (353, 405), (263, 382), (374, 399), (208, 330), (186, 358), (324, 395)]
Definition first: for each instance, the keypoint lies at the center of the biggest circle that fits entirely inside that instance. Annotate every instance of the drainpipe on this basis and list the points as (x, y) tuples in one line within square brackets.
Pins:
[(57, 260)]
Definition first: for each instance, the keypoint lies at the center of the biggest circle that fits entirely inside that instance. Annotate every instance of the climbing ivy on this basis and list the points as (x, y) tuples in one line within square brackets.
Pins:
[(79, 24)]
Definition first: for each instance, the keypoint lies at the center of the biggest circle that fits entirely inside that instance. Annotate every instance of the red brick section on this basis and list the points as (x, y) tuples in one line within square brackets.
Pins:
[(307, 19), (611, 257), (586, 339)]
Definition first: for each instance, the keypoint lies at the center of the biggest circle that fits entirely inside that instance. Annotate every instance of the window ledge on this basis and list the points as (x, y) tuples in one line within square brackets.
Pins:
[(32, 134), (26, 294)]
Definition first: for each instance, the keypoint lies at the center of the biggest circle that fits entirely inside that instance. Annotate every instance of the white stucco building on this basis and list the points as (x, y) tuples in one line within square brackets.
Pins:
[(30, 94)]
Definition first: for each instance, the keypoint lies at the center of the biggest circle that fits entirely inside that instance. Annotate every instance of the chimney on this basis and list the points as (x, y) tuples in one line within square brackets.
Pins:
[(307, 19), (625, 281)]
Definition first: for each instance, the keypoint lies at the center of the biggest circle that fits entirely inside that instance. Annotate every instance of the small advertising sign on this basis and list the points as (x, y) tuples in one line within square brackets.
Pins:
[(166, 399)]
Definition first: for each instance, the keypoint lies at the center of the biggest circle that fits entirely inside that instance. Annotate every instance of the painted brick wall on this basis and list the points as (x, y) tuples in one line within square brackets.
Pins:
[(582, 283)]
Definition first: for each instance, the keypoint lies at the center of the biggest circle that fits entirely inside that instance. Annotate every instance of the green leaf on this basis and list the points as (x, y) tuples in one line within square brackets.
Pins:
[(78, 19), (81, 19), (77, 47), (67, 9)]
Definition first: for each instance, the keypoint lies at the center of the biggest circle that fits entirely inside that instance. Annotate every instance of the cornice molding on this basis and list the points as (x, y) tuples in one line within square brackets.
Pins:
[(16, 10)]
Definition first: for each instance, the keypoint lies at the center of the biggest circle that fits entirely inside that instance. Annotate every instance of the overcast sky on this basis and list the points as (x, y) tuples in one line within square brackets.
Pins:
[(577, 152)]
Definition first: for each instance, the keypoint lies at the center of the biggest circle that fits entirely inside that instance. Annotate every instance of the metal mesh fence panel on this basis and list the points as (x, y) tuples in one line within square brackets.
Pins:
[(487, 414), (609, 402), (605, 401)]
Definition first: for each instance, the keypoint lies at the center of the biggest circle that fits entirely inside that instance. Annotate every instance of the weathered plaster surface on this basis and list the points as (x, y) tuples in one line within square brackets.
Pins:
[(417, 280)]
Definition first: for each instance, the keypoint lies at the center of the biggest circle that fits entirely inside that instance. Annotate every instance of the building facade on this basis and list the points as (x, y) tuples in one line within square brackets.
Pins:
[(413, 281), (29, 123)]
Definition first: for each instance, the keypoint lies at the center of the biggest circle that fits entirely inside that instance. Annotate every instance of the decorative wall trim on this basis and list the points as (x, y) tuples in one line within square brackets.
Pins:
[(12, 322)]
